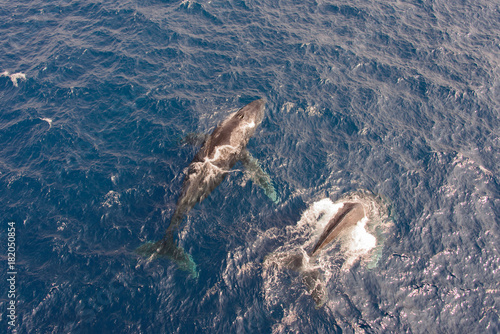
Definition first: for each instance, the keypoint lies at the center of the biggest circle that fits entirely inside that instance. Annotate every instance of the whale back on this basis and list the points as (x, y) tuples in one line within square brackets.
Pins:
[(348, 215)]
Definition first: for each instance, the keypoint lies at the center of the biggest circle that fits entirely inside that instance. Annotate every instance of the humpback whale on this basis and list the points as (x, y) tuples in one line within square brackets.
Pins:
[(222, 149), (347, 216)]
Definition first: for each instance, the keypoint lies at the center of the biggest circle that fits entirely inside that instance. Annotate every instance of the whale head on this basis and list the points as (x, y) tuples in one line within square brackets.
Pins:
[(252, 114), (232, 135)]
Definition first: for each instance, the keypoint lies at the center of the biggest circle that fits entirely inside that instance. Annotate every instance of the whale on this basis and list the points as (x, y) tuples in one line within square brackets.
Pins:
[(346, 217), (221, 150)]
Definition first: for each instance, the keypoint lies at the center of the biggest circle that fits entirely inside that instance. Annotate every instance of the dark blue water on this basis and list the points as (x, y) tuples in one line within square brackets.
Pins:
[(400, 99)]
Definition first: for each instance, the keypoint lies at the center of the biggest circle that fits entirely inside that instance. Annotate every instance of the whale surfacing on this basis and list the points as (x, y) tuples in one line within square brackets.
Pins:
[(347, 216), (222, 149)]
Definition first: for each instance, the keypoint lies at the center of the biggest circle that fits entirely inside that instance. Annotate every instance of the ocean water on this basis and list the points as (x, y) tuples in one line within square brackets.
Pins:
[(395, 100)]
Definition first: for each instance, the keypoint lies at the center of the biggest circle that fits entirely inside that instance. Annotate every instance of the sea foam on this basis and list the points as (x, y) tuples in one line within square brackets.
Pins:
[(14, 77)]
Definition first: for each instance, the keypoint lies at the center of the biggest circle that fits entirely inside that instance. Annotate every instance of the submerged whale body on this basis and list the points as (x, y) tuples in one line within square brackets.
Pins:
[(220, 152)]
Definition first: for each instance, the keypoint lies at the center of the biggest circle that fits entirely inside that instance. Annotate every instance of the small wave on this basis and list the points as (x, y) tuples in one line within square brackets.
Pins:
[(48, 120), (14, 77), (112, 198)]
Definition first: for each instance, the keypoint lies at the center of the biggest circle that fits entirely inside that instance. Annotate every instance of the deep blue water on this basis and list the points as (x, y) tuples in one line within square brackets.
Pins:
[(400, 99)]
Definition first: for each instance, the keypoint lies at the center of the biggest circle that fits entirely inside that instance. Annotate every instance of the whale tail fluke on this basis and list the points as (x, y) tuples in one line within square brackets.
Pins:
[(166, 248)]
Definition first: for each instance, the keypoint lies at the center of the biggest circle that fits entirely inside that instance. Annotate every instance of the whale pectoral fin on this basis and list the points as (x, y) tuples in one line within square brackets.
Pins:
[(168, 249), (258, 175), (194, 139)]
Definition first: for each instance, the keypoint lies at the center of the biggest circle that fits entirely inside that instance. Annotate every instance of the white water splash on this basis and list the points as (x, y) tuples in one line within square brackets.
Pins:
[(358, 242), (14, 77), (48, 120), (112, 198)]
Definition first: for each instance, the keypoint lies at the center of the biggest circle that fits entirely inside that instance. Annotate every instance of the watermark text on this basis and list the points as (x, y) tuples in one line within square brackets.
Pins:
[(11, 276)]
